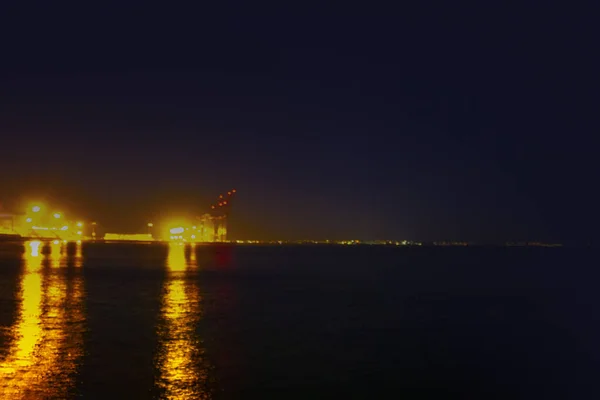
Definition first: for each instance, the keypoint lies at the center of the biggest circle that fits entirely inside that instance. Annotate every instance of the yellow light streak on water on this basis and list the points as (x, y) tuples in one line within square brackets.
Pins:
[(180, 361), (47, 337)]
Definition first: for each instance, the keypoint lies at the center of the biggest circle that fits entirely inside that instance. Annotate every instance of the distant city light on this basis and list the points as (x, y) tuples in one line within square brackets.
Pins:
[(57, 215), (176, 230), (36, 209), (28, 220), (79, 224), (150, 224), (56, 242), (64, 228)]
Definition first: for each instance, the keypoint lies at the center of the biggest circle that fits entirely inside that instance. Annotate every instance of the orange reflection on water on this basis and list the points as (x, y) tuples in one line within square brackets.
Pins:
[(47, 340), (57, 254), (193, 254), (78, 254), (183, 370)]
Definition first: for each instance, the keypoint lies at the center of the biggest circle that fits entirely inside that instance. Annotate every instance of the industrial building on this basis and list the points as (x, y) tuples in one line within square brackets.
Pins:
[(209, 227), (40, 221)]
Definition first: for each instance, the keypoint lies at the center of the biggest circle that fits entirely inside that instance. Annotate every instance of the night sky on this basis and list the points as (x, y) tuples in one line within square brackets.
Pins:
[(442, 121)]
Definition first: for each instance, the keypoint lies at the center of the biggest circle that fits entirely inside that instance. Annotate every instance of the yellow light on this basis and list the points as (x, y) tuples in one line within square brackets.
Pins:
[(36, 209), (176, 230), (28, 220), (193, 227), (56, 215), (35, 248), (80, 224), (79, 242), (150, 224)]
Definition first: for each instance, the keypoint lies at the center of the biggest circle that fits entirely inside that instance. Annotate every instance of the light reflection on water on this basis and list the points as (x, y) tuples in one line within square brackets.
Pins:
[(183, 370), (47, 338)]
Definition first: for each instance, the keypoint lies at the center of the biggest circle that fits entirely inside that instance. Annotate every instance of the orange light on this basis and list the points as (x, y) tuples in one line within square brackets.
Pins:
[(224, 202), (221, 196), (233, 190), (229, 193)]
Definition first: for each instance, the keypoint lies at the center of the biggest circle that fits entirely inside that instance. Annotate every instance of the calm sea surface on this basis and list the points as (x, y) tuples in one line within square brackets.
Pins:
[(111, 321)]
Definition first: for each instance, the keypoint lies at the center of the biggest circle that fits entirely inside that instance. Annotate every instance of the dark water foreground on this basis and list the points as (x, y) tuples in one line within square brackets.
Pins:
[(156, 321)]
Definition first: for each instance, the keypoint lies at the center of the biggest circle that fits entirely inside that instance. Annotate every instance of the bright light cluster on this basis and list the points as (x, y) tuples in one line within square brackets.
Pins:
[(207, 228), (41, 221)]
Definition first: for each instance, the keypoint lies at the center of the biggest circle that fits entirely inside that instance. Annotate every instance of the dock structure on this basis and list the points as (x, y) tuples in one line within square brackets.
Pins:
[(42, 222)]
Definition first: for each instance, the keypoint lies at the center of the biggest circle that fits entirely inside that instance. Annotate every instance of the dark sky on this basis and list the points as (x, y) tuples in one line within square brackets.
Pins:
[(428, 121)]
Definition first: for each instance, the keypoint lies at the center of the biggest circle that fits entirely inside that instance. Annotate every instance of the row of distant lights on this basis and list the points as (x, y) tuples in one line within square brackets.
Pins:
[(175, 237), (56, 242)]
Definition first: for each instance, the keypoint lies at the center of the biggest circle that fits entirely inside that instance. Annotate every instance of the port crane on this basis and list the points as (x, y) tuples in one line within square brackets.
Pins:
[(213, 224)]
